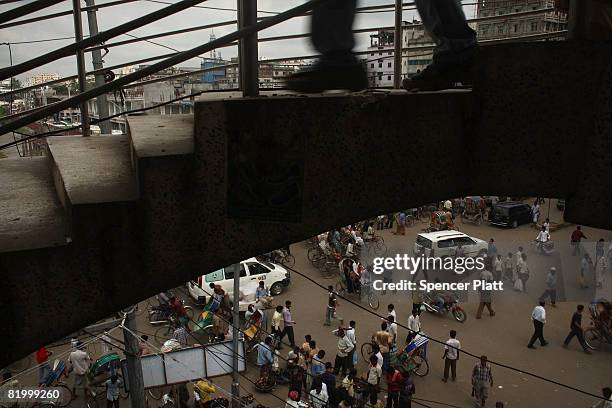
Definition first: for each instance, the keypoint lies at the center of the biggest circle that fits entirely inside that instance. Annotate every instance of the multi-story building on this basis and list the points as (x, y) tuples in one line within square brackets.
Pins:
[(272, 74), (418, 48), (518, 25), (416, 55), (379, 62), (216, 73), (41, 78)]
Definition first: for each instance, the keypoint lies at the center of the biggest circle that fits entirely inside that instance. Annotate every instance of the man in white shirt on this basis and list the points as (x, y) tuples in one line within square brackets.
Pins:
[(373, 376), (345, 346), (392, 329), (451, 356), (607, 402), (414, 322), (352, 336), (539, 319), (79, 363), (318, 396)]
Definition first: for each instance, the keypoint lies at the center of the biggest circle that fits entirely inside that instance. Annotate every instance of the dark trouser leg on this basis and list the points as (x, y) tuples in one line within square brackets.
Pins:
[(289, 332), (453, 365), (479, 312), (332, 36), (447, 364), (490, 308), (350, 360), (553, 296), (337, 364), (445, 21), (393, 400), (569, 337), (538, 333), (580, 336)]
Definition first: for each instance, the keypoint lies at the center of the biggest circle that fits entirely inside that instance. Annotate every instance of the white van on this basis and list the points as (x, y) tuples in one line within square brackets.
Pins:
[(252, 271)]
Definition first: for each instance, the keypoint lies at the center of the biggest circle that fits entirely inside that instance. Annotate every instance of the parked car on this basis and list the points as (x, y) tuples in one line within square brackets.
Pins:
[(510, 214), (561, 204), (444, 243), (252, 271)]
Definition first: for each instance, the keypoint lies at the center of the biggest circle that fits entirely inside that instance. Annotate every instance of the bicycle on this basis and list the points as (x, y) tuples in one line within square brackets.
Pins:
[(377, 245), (366, 289)]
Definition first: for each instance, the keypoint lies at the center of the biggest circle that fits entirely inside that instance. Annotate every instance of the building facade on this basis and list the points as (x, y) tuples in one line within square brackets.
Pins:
[(518, 25), (380, 61), (41, 78), (418, 46)]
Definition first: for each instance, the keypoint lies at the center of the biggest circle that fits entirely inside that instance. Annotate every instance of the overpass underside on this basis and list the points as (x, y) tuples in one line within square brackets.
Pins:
[(106, 221)]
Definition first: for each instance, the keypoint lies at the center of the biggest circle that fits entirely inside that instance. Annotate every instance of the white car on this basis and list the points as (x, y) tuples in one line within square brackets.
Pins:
[(252, 271), (444, 243)]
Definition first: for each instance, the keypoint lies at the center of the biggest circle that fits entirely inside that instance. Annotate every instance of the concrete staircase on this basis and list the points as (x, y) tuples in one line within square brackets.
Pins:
[(104, 222)]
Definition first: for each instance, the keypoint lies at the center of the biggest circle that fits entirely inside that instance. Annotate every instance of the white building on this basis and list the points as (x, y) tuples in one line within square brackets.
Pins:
[(515, 26), (421, 46), (41, 78), (380, 62)]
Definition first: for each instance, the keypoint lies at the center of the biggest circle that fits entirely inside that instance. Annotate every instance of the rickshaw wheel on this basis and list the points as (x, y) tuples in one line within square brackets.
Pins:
[(592, 338), (422, 366), (366, 351)]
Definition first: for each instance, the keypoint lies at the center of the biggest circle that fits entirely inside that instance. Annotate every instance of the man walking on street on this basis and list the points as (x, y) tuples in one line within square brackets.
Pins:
[(607, 402), (539, 319), (451, 356), (576, 330), (289, 323), (551, 287), (586, 266), (482, 379), (486, 296), (332, 302)]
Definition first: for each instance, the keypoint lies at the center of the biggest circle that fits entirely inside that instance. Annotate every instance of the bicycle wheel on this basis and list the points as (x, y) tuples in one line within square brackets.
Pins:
[(156, 393), (288, 260), (163, 333), (65, 395), (422, 366), (366, 351), (313, 253), (592, 338), (373, 300)]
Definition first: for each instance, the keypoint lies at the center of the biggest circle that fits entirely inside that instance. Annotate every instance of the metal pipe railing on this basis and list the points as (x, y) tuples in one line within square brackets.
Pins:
[(26, 9), (178, 58), (248, 49), (97, 39), (63, 13), (397, 45), (264, 39), (80, 56)]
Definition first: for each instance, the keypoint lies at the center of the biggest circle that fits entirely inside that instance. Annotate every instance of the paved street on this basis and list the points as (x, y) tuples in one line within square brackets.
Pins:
[(502, 338)]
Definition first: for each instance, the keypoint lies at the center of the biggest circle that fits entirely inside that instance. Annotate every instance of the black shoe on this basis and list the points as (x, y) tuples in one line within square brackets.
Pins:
[(323, 77), (545, 344), (531, 346), (436, 77)]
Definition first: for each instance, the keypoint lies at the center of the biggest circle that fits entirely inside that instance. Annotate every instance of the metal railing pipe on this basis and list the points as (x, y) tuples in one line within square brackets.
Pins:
[(247, 49), (397, 43), (26, 9), (62, 14), (80, 56), (96, 39), (176, 59)]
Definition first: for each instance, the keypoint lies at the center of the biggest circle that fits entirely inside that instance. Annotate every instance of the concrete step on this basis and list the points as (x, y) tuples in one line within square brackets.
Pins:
[(31, 216), (93, 170), (161, 135)]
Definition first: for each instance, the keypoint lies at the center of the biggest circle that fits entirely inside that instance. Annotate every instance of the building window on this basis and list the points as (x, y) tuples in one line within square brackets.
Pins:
[(372, 65), (389, 53), (534, 26), (380, 76), (500, 29), (500, 12), (380, 65), (372, 54), (380, 53), (388, 77), (517, 10), (388, 65), (516, 28)]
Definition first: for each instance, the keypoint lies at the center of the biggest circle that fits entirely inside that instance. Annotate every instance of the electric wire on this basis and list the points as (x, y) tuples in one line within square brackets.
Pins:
[(444, 343)]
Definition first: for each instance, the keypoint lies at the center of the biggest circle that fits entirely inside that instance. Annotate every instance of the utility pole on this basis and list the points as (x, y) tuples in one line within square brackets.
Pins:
[(248, 49), (96, 56), (235, 339), (397, 42), (78, 35), (135, 379)]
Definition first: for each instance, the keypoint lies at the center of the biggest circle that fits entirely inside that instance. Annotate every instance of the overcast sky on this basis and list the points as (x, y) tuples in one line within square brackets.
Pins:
[(112, 16)]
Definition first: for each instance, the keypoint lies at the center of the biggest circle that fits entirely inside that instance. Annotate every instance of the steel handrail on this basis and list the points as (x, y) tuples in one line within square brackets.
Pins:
[(63, 13), (174, 60), (27, 9), (71, 49)]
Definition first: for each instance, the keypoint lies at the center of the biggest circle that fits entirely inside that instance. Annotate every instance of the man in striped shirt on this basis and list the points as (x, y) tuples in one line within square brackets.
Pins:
[(482, 379)]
